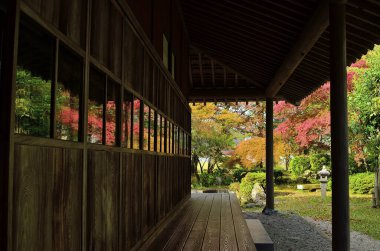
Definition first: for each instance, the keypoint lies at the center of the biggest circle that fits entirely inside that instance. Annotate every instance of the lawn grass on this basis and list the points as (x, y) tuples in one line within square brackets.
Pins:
[(364, 218)]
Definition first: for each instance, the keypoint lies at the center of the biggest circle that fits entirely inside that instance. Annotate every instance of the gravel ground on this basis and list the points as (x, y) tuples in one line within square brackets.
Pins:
[(292, 232)]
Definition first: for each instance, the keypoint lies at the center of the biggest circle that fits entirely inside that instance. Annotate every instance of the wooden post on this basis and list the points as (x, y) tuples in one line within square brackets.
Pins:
[(269, 207), (7, 96), (339, 130)]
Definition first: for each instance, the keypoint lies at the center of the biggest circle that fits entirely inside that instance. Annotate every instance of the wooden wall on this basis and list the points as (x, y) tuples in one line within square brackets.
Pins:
[(128, 194), (79, 196)]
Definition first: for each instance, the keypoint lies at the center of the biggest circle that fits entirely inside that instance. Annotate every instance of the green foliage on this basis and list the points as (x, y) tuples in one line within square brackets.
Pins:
[(299, 164), (217, 178), (318, 160), (362, 183), (32, 109), (247, 183), (207, 179), (245, 191), (364, 108), (235, 187), (278, 175), (238, 174)]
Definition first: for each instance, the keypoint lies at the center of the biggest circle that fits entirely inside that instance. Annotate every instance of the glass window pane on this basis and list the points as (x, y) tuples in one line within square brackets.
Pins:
[(151, 129), (146, 128), (169, 138), (127, 118), (180, 141), (112, 107), (158, 132), (68, 96), (35, 71), (136, 123), (96, 98), (162, 134), (175, 139)]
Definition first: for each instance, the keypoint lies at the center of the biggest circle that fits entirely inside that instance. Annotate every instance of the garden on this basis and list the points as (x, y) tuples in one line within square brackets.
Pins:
[(228, 149)]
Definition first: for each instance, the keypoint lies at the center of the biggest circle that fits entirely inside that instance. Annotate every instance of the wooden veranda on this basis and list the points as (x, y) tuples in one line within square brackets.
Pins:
[(95, 126)]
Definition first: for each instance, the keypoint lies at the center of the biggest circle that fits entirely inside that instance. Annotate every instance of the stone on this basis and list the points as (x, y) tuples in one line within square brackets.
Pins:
[(258, 195)]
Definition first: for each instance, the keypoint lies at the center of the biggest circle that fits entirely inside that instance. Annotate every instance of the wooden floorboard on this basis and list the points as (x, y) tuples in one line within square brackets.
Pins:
[(205, 222), (195, 239), (178, 239), (212, 235), (190, 207), (227, 229), (243, 236)]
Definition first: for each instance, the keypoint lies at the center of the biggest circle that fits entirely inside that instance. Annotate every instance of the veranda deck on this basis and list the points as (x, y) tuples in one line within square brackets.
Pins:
[(205, 222)]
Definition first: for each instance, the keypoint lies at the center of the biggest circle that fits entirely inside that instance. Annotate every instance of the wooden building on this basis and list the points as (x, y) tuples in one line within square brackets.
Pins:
[(94, 116)]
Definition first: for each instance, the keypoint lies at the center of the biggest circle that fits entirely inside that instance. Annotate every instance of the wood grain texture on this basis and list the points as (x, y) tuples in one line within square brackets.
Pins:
[(227, 230), (103, 200), (148, 194), (195, 237), (131, 199), (47, 198), (243, 236), (211, 238)]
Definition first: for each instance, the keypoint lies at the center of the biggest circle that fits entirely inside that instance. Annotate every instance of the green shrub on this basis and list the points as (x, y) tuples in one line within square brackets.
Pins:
[(299, 165), (362, 183), (247, 183), (207, 179), (318, 160), (238, 174), (329, 185), (235, 187), (257, 177), (278, 175)]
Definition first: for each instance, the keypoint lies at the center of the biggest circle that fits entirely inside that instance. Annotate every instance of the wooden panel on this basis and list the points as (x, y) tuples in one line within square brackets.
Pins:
[(72, 19), (115, 27), (100, 30), (131, 199), (148, 77), (142, 9), (148, 193), (161, 173), (103, 200), (134, 59), (47, 198)]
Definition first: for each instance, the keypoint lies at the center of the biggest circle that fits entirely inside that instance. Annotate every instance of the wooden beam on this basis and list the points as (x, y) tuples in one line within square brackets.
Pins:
[(190, 74), (224, 77), (269, 205), (8, 53), (229, 93), (212, 72), (310, 35), (215, 60), (201, 68), (339, 128)]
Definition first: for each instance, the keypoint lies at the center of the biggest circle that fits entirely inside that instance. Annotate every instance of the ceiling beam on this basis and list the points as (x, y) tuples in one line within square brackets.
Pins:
[(216, 61), (213, 72), (190, 74), (314, 28), (201, 67), (226, 93)]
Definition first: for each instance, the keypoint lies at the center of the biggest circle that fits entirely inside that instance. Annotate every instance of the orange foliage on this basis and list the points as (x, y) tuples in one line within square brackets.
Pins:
[(251, 152)]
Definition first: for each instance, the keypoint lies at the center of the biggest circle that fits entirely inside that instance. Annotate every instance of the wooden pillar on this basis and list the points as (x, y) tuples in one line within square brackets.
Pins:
[(269, 207), (339, 131), (9, 26)]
